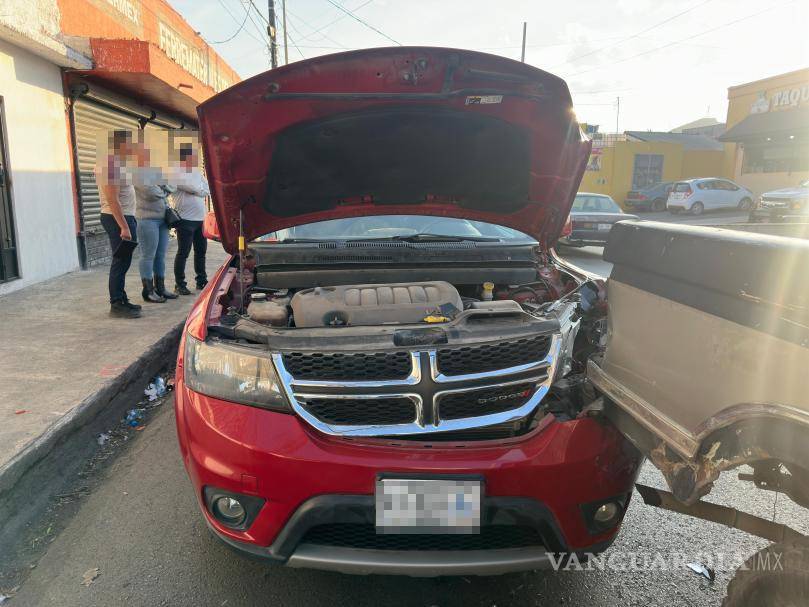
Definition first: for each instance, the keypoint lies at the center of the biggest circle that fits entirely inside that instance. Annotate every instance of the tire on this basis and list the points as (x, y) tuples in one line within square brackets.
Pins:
[(658, 205), (697, 208), (777, 575), (745, 204)]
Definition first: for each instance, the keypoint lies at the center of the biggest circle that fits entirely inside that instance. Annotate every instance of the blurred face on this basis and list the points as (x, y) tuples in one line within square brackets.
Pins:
[(190, 160)]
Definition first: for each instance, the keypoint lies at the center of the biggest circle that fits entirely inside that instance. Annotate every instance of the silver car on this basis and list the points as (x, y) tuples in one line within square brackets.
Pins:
[(696, 196)]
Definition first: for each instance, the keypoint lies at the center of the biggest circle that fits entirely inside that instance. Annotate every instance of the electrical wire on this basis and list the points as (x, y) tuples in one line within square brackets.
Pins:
[(636, 35), (236, 20), (333, 21), (236, 33), (365, 23), (670, 44), (324, 36)]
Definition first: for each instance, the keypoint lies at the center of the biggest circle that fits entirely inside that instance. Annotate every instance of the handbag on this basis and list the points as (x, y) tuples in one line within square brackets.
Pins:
[(172, 217)]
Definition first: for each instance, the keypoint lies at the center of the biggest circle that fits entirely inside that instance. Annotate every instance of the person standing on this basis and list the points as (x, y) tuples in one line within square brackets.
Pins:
[(117, 196), (153, 232), (189, 202)]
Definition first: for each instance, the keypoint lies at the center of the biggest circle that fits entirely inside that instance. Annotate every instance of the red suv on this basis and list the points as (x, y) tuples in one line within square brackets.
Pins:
[(387, 376)]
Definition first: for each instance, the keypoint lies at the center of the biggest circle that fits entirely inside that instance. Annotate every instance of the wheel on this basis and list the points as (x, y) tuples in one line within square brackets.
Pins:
[(658, 205), (776, 575), (697, 208), (745, 204)]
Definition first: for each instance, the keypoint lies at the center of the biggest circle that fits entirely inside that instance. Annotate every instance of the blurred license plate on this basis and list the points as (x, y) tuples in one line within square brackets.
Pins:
[(428, 505), (604, 227)]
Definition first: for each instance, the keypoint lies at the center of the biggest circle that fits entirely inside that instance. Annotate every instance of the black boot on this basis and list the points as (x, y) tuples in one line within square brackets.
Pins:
[(181, 289), (149, 293), (201, 285), (160, 288), (118, 309), (129, 304)]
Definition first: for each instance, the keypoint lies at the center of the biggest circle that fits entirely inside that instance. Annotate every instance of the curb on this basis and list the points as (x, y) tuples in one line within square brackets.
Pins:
[(58, 435)]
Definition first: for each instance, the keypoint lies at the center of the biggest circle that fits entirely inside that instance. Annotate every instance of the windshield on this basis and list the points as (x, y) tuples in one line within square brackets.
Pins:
[(595, 204), (398, 226)]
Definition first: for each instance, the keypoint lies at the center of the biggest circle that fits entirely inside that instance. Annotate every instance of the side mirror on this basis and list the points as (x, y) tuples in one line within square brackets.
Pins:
[(210, 229)]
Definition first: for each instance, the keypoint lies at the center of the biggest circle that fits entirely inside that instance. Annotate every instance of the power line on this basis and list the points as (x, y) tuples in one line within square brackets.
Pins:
[(236, 33), (670, 44), (333, 21), (324, 36), (296, 46), (236, 20), (365, 23), (636, 35)]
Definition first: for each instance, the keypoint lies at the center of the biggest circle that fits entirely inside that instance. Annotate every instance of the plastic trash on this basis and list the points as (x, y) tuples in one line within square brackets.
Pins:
[(134, 417), (151, 392), (702, 570), (103, 438), (4, 598), (160, 386)]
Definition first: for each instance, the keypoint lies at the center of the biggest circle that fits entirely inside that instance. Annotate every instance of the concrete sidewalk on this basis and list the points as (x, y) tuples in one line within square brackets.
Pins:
[(62, 356)]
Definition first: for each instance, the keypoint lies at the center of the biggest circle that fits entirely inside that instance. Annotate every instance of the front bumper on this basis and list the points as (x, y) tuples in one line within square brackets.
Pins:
[(779, 215), (538, 481), (587, 237)]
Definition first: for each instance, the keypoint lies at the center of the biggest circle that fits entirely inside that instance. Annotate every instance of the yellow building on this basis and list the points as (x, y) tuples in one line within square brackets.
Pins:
[(767, 137), (638, 159)]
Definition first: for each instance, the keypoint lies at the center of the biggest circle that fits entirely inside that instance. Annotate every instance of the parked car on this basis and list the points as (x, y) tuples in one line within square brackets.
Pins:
[(592, 217), (394, 382), (696, 196), (652, 198), (786, 204)]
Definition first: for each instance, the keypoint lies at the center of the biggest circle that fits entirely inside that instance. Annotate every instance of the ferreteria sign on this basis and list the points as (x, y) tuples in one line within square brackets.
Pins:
[(191, 58), (781, 99)]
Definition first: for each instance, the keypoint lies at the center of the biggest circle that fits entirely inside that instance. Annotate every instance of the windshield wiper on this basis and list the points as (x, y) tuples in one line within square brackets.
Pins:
[(425, 237)]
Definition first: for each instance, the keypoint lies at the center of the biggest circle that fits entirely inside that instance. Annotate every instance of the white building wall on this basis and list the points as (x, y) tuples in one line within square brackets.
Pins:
[(40, 166)]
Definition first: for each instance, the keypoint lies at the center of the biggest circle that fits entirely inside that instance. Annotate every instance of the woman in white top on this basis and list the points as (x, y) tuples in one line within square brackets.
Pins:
[(189, 202)]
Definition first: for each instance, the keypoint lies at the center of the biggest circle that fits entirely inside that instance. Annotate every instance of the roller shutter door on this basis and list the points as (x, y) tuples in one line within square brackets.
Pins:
[(93, 120)]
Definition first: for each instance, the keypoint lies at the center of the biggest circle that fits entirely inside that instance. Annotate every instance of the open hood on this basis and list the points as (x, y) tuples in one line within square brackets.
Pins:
[(406, 130)]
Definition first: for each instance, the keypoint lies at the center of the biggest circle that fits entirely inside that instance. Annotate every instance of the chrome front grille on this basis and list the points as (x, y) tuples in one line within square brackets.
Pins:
[(448, 389), (489, 357)]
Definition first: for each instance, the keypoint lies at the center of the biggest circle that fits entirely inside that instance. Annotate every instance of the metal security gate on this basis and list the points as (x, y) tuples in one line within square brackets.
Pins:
[(8, 244), (96, 114), (92, 122)]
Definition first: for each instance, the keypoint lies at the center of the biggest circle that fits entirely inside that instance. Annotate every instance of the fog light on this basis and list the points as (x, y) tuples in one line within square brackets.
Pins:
[(229, 510), (606, 514)]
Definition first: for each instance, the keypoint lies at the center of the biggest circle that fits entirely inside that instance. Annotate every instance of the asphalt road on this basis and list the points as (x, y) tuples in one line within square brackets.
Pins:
[(141, 528), (590, 258)]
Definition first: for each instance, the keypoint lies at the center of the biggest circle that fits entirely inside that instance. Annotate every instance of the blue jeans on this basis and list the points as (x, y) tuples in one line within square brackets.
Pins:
[(153, 240)]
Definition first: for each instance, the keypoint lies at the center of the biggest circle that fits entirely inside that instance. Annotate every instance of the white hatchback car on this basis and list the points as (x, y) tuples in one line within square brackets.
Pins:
[(698, 195)]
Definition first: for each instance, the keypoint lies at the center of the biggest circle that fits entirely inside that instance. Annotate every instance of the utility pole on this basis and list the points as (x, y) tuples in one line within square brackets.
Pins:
[(524, 27), (271, 34), (286, 42), (617, 112)]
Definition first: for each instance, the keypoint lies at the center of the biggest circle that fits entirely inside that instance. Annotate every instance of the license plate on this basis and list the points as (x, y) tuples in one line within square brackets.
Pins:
[(428, 505), (604, 227)]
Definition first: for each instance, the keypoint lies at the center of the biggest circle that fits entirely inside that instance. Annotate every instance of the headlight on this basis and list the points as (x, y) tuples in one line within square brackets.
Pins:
[(233, 374)]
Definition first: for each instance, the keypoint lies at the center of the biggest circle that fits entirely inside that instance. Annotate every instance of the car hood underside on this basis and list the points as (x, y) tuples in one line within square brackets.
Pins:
[(422, 131)]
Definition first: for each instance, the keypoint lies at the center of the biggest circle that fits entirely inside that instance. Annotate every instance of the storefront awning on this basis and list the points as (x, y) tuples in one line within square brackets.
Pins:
[(142, 71), (768, 124)]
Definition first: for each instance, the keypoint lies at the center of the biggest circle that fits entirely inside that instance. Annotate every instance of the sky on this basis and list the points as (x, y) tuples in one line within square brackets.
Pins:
[(669, 61)]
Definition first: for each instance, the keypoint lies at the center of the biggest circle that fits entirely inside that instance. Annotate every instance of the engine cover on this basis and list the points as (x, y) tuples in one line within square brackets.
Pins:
[(399, 303)]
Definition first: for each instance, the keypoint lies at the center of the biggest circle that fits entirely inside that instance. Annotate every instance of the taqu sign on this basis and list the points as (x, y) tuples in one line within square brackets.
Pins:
[(782, 99)]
